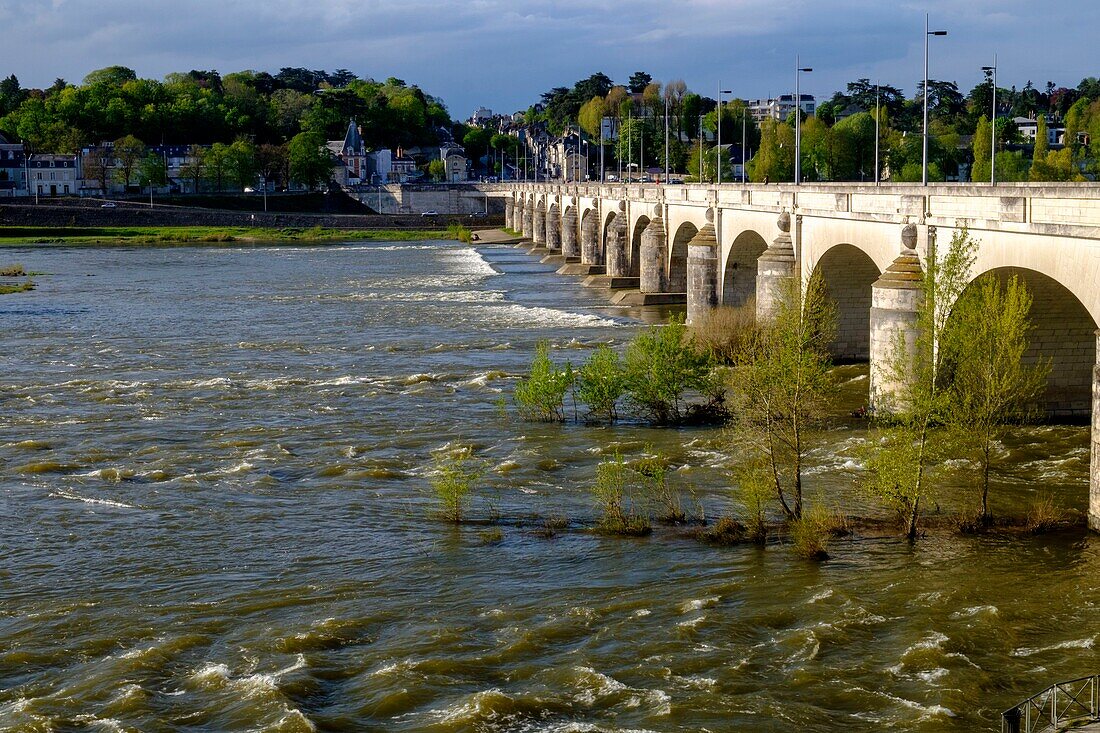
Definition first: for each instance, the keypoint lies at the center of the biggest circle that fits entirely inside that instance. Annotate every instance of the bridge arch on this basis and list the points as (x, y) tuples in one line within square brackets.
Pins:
[(678, 257), (848, 273), (739, 271), (1064, 332)]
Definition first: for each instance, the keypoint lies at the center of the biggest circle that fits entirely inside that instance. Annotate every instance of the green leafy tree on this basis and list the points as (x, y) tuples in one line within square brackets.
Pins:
[(783, 384), (195, 168), (153, 172), (128, 153), (437, 170), (908, 443), (453, 481), (774, 160), (219, 164), (541, 394), (601, 382), (991, 384), (310, 163), (242, 164), (661, 365), (983, 142)]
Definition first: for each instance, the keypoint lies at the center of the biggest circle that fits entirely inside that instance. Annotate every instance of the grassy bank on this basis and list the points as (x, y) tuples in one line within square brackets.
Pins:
[(189, 235)]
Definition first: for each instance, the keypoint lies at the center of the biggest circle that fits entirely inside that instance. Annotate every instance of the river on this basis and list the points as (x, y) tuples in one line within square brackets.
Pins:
[(213, 484)]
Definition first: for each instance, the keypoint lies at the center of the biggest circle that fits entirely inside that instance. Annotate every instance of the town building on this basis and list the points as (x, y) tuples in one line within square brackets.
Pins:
[(481, 115), (1028, 127), (779, 108), (455, 164), (54, 174), (402, 167), (13, 172), (349, 158)]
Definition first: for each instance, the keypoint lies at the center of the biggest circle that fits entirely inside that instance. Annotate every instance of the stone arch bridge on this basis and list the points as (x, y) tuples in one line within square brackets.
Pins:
[(735, 244)]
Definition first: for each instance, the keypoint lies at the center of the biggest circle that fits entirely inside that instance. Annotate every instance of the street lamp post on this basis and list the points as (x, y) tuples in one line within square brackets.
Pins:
[(666, 134), (924, 133), (993, 126), (744, 140), (798, 71), (878, 114), (718, 125)]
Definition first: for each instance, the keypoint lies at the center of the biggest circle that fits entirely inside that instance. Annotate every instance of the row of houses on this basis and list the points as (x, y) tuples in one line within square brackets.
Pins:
[(354, 167)]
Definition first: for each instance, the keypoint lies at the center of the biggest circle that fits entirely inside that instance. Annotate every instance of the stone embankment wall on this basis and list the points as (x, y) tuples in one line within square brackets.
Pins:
[(134, 215), (455, 198)]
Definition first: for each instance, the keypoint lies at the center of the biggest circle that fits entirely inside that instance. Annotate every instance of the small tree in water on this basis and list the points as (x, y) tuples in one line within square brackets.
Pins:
[(541, 396), (661, 365), (652, 470), (912, 435), (601, 382), (990, 385), (456, 472), (782, 386), (611, 491)]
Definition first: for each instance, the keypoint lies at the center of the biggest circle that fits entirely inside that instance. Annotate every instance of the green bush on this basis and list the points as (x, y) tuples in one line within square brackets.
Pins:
[(810, 533), (652, 471), (611, 491), (541, 396), (661, 365), (456, 472), (601, 382)]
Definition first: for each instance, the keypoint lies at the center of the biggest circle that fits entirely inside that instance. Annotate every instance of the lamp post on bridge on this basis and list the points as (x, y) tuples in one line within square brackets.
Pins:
[(993, 126), (718, 127), (924, 129), (798, 71)]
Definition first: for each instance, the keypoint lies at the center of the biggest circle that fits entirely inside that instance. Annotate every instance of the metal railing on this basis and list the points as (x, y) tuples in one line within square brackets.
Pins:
[(1055, 708)]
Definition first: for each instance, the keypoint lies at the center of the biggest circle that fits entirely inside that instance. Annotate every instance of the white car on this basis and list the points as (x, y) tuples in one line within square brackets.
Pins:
[(430, 212)]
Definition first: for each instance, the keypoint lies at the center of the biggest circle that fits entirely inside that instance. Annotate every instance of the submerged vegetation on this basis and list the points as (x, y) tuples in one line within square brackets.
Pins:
[(15, 271), (956, 391)]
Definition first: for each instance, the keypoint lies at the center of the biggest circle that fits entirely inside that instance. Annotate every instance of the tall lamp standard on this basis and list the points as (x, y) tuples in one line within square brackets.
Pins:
[(666, 134), (993, 126), (744, 140), (924, 133), (798, 71), (878, 115), (718, 125)]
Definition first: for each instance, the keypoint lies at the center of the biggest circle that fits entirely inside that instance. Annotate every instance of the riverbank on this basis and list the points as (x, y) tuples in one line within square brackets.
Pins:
[(172, 235)]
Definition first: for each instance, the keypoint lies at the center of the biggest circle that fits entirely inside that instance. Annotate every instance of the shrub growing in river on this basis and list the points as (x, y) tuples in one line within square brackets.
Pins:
[(990, 385), (601, 383), (611, 490), (810, 534), (661, 365), (723, 331), (456, 472), (783, 385), (652, 472), (541, 395), (913, 435)]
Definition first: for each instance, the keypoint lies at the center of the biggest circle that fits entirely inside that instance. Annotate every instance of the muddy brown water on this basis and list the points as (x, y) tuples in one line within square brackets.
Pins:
[(213, 484)]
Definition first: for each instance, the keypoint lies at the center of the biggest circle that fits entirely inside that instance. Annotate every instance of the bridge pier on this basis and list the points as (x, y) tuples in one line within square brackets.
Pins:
[(528, 219), (590, 239), (509, 212), (615, 246), (652, 255), (775, 268), (702, 273), (1094, 472), (570, 248), (553, 229), (539, 228), (895, 298)]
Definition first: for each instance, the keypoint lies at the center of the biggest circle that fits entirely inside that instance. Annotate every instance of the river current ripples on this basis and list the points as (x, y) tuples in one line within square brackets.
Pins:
[(213, 482)]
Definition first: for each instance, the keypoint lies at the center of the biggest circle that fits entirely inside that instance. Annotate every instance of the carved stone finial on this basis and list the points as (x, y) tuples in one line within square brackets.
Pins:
[(621, 206), (710, 215), (909, 237), (784, 222)]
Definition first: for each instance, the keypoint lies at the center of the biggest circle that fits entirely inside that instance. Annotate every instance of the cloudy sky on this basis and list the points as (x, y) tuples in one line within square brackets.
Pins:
[(503, 53)]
